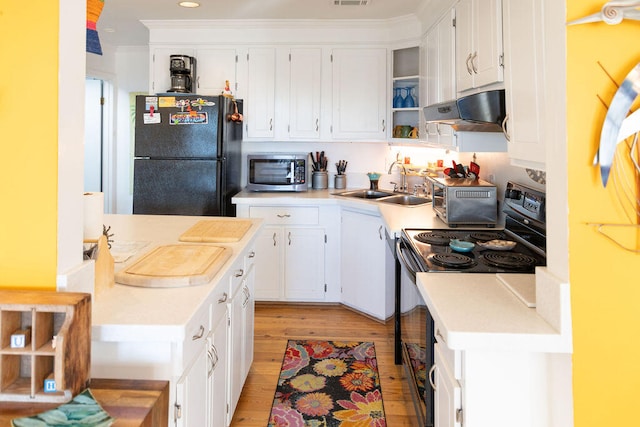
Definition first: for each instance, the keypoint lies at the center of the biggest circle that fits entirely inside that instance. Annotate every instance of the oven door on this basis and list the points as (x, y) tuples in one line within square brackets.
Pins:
[(417, 341)]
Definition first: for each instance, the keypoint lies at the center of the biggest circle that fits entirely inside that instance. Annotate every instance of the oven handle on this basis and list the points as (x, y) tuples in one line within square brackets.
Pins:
[(404, 261)]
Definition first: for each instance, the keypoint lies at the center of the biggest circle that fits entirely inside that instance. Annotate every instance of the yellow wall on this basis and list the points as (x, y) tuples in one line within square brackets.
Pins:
[(28, 136), (605, 279)]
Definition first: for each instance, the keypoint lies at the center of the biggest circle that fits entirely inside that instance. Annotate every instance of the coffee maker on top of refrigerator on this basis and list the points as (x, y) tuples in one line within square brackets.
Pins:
[(182, 71)]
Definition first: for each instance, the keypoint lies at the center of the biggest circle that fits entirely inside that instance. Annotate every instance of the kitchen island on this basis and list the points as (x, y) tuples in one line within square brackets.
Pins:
[(200, 338)]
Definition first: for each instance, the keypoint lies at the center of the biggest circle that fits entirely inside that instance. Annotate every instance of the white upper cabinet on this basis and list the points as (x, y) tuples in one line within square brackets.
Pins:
[(261, 91), (160, 80), (284, 91), (214, 67), (359, 93), (439, 63), (305, 70), (478, 43), (525, 81)]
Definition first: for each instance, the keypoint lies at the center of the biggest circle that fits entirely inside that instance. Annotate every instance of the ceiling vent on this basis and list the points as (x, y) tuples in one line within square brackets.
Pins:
[(351, 2)]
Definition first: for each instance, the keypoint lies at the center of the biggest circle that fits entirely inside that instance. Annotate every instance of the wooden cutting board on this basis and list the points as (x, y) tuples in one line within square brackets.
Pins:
[(175, 266), (217, 231)]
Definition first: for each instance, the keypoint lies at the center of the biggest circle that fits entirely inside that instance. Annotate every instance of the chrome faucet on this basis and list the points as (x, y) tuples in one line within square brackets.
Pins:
[(403, 185)]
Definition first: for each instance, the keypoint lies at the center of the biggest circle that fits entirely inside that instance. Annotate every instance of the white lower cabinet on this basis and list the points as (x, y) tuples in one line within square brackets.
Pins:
[(218, 415), (191, 404), (448, 393), (291, 265), (482, 387), (240, 341), (363, 272)]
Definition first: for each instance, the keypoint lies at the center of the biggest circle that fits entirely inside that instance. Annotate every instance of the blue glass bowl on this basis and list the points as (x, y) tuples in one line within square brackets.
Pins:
[(461, 245)]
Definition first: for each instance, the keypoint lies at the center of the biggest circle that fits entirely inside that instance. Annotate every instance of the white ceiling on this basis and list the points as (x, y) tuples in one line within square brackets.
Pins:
[(123, 16)]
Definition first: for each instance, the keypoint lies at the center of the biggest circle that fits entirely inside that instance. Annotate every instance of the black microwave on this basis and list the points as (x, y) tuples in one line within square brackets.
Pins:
[(277, 172)]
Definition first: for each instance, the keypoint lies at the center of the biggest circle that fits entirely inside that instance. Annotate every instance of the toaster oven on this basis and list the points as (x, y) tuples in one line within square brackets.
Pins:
[(464, 201)]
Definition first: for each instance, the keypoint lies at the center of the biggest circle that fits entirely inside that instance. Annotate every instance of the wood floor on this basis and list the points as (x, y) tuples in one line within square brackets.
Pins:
[(277, 323)]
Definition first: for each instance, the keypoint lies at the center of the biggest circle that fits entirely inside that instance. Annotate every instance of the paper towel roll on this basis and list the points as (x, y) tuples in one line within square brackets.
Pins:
[(93, 215)]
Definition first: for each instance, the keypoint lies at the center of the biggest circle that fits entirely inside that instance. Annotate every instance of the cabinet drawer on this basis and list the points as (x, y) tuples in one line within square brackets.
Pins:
[(296, 215), (196, 334), (453, 358)]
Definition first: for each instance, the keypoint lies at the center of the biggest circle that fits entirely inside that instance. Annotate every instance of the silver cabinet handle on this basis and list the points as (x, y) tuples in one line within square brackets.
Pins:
[(384, 126), (284, 215), (474, 66), (223, 298), (252, 254), (274, 239), (430, 375), (289, 238), (380, 232), (199, 335), (217, 358), (317, 124), (270, 124), (469, 70), (239, 273)]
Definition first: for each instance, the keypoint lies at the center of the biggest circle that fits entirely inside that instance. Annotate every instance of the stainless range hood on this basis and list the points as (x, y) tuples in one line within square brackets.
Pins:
[(479, 112)]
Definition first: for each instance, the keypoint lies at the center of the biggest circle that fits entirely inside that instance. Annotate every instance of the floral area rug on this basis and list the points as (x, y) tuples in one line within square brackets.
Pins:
[(328, 384)]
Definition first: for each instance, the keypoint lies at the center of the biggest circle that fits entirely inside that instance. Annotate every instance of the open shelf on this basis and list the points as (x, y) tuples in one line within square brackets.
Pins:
[(32, 368), (405, 83)]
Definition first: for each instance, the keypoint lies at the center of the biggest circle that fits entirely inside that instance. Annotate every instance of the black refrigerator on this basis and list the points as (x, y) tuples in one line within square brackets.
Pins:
[(187, 156)]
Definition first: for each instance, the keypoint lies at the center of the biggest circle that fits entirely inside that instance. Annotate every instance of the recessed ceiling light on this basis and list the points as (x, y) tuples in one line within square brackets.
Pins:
[(189, 4)]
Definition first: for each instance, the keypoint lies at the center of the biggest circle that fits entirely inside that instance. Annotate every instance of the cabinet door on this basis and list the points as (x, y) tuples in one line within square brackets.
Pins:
[(441, 80), (260, 102), (269, 264), (304, 93), (478, 43), (234, 346), (248, 317), (214, 67), (217, 396), (363, 263), (524, 81), (464, 45), (448, 394), (304, 264), (446, 57), (160, 80), (191, 406), (359, 93), (487, 25)]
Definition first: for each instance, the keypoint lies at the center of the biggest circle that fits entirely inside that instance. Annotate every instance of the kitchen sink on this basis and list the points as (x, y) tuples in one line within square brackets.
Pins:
[(387, 197), (406, 200), (366, 194)]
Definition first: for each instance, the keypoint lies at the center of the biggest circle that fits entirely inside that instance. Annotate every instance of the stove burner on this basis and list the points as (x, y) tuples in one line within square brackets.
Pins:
[(510, 260), (435, 238), (452, 260), (485, 237)]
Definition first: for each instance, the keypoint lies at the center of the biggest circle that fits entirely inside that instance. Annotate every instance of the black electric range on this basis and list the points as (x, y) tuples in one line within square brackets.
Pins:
[(429, 250), (525, 226)]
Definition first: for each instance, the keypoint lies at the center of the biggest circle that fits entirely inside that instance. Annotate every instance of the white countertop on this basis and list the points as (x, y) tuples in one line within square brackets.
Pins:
[(154, 311), (477, 311), (396, 217)]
